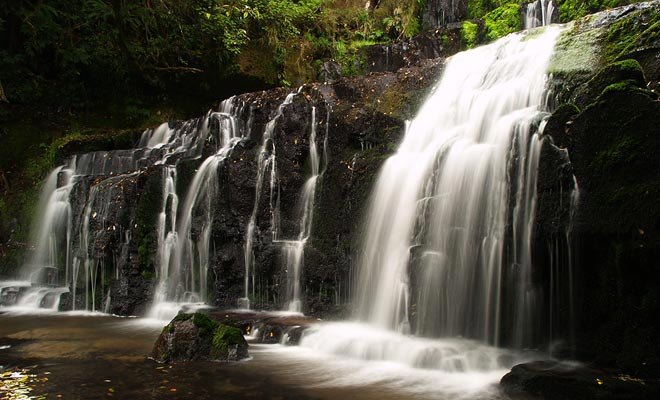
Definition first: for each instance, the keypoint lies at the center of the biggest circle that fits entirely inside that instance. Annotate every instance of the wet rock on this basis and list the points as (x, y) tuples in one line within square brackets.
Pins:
[(562, 381), (329, 71), (190, 337), (613, 152), (437, 13), (266, 327)]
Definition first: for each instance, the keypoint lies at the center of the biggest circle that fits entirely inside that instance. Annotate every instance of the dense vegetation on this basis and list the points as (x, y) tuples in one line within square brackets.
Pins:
[(78, 52)]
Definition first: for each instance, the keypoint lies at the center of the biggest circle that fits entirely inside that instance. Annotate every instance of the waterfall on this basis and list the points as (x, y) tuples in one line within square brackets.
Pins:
[(83, 208), (266, 161), (183, 257), (447, 247), (539, 13), (438, 215), (292, 249), (295, 249)]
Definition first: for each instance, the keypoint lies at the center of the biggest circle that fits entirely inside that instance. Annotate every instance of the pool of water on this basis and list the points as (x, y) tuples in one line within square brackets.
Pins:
[(93, 356)]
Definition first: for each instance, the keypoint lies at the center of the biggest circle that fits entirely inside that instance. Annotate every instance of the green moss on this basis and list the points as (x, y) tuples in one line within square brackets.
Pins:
[(223, 337), (566, 110), (636, 31), (204, 323), (629, 71), (627, 86), (469, 34), (622, 150), (503, 21), (577, 51)]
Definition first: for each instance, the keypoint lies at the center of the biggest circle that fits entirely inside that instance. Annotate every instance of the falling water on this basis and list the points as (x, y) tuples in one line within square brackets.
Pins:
[(451, 221), (539, 13), (266, 162), (183, 257), (438, 214), (295, 249), (82, 206)]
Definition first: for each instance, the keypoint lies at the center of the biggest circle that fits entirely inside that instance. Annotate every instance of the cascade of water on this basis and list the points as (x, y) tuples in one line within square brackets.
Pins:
[(167, 242), (447, 250), (438, 216), (266, 161), (183, 255), (80, 198), (539, 13), (53, 227), (294, 249)]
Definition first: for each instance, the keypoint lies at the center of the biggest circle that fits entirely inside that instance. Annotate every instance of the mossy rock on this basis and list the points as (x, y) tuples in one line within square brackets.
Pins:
[(228, 343), (196, 336), (637, 32), (614, 148), (627, 73), (91, 140)]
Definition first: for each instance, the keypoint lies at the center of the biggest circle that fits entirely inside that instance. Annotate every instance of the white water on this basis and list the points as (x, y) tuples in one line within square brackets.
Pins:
[(294, 250), (349, 356), (539, 13), (80, 201), (266, 161), (183, 258), (443, 198), (433, 261)]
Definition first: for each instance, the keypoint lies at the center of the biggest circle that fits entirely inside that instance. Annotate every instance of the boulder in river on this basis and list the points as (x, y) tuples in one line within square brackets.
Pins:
[(195, 336)]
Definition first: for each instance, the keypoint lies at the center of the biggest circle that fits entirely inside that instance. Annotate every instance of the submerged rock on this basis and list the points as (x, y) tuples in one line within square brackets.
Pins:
[(555, 380), (191, 337)]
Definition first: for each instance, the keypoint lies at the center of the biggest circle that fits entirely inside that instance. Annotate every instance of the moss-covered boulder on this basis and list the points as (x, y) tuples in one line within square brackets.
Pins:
[(627, 71), (195, 336)]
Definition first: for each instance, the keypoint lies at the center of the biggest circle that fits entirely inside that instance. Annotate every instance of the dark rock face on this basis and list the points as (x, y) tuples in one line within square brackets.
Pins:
[(605, 127), (553, 380), (409, 53), (192, 337), (439, 13)]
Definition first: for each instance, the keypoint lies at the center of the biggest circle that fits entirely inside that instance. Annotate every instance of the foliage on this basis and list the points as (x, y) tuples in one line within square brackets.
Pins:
[(502, 21), (479, 8), (73, 53), (469, 34)]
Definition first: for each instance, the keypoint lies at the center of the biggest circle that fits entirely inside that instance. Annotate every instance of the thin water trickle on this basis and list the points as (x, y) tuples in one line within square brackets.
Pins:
[(266, 162), (183, 258)]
